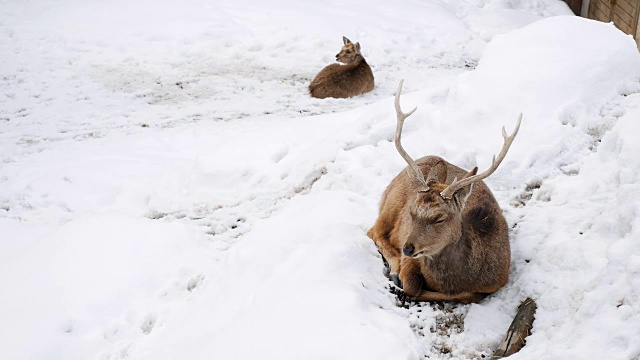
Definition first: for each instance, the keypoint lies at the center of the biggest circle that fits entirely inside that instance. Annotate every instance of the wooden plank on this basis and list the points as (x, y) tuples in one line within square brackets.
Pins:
[(590, 10), (599, 5), (575, 6), (636, 16), (602, 5), (515, 338), (601, 15), (622, 16), (593, 5), (602, 10), (594, 8), (624, 20), (617, 10), (621, 24), (595, 13), (627, 7), (629, 10)]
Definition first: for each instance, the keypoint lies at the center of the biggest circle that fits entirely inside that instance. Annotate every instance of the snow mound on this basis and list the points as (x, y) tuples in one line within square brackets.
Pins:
[(550, 71)]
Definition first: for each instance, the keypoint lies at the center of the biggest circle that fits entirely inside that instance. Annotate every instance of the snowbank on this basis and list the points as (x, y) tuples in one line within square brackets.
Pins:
[(552, 73)]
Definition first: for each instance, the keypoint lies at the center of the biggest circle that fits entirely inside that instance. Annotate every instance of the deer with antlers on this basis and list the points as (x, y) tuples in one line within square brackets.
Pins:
[(344, 81), (440, 229)]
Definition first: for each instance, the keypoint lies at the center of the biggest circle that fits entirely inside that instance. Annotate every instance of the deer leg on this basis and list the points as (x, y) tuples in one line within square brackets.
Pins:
[(463, 298), (387, 272), (389, 253), (411, 276), (416, 285)]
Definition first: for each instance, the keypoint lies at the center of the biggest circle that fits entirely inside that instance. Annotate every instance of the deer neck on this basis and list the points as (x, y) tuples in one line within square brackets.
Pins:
[(454, 252), (357, 61)]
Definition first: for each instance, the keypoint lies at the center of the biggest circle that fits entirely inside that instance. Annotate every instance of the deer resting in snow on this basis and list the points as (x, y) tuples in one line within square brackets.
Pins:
[(344, 81), (440, 229)]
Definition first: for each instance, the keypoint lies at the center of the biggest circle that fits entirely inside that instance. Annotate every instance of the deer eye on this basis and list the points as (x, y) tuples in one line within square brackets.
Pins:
[(439, 220)]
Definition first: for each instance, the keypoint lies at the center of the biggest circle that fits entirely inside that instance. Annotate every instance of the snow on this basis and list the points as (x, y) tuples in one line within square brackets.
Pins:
[(168, 189)]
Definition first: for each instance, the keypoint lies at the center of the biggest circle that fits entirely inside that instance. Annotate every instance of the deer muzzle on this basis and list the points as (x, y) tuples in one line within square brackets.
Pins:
[(408, 250)]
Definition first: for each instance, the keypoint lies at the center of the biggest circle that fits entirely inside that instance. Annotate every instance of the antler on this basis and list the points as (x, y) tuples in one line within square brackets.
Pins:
[(417, 174), (456, 185)]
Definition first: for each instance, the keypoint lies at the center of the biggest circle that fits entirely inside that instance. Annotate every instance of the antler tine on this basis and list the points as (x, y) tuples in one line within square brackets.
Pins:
[(456, 185), (401, 116)]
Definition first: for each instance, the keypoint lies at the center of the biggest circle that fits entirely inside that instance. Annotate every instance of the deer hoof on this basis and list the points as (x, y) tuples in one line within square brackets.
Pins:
[(403, 297), (387, 272), (396, 280), (384, 261), (387, 269)]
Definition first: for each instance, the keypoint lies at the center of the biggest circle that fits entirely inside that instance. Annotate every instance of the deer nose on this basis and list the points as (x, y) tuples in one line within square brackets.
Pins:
[(408, 250)]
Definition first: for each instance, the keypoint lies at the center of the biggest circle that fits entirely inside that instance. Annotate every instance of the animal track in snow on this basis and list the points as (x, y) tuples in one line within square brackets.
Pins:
[(194, 282), (148, 324), (311, 179), (227, 223), (570, 169), (523, 198), (280, 154)]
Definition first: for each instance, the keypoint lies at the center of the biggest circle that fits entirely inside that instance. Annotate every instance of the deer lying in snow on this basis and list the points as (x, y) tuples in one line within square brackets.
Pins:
[(344, 81), (440, 228)]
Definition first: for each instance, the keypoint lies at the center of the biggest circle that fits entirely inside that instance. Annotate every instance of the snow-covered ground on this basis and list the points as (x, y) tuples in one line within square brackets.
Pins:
[(168, 189)]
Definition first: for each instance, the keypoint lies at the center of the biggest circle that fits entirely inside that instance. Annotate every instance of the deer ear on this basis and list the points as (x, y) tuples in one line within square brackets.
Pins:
[(358, 47), (438, 173), (462, 195), (472, 172), (345, 40)]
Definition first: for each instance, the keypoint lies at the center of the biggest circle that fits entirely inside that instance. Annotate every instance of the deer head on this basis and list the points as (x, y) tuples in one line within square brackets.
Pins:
[(436, 211), (349, 53)]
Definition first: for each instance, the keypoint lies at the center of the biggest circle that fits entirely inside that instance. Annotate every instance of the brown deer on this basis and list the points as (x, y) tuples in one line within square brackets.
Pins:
[(344, 81), (440, 229)]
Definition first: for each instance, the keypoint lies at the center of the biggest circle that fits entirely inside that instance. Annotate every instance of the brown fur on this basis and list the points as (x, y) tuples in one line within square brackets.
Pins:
[(460, 246), (344, 81)]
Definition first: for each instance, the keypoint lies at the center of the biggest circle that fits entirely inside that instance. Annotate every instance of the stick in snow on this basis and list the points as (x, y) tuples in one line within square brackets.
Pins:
[(520, 328)]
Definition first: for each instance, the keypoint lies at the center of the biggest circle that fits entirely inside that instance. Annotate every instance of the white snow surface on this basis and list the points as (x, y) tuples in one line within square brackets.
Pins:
[(169, 190)]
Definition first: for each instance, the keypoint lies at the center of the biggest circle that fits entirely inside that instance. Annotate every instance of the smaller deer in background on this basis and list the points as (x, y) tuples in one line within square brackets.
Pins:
[(344, 81), (440, 229)]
